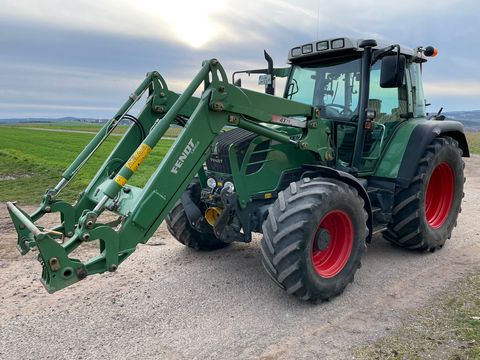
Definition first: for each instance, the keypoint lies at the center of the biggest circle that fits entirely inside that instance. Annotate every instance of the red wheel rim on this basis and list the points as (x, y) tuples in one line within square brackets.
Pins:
[(439, 196), (329, 261)]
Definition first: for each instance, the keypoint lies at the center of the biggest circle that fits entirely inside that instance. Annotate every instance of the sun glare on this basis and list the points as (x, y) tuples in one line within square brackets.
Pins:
[(191, 22)]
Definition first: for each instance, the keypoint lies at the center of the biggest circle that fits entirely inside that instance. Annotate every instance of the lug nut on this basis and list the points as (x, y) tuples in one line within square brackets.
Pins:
[(232, 119), (218, 106)]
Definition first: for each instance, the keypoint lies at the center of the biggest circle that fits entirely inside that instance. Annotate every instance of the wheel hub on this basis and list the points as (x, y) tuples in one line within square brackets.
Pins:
[(333, 243), (323, 239)]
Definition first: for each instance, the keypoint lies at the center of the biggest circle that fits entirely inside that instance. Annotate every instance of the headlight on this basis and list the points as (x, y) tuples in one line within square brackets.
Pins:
[(229, 185), (211, 183), (307, 49), (296, 51), (338, 44), (322, 45)]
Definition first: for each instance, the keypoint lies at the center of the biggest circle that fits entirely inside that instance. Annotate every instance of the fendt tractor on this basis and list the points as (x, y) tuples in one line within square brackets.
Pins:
[(347, 152)]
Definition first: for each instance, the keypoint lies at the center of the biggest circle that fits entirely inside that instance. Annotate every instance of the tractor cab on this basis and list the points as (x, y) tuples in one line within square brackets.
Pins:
[(363, 88)]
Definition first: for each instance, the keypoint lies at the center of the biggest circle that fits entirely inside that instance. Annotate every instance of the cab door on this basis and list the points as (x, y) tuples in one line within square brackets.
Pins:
[(391, 107)]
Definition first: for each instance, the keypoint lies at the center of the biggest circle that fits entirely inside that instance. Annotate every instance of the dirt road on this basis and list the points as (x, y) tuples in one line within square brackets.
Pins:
[(166, 301)]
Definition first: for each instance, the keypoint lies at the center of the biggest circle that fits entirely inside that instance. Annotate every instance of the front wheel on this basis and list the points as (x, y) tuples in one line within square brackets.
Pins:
[(180, 228), (314, 238)]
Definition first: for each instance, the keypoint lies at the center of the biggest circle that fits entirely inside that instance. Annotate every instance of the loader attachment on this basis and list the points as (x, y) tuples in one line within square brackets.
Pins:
[(140, 211), (52, 255)]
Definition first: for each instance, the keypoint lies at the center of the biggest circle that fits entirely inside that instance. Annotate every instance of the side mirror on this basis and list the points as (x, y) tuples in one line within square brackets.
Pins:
[(392, 71), (238, 82)]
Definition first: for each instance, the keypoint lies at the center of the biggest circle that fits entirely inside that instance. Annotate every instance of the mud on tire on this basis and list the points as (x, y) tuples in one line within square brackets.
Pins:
[(425, 213), (305, 247)]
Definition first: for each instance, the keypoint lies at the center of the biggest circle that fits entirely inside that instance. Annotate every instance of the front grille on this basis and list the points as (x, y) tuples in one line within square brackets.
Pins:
[(241, 140)]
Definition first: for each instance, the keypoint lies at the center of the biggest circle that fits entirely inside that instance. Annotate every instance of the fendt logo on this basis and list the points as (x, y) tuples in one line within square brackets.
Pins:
[(189, 149)]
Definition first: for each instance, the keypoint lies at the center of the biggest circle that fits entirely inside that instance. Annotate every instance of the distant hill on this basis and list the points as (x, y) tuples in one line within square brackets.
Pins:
[(49, 120), (470, 119)]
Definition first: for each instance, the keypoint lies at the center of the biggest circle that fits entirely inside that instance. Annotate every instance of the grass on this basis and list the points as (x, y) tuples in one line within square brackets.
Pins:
[(32, 161), (473, 139), (80, 126), (449, 328)]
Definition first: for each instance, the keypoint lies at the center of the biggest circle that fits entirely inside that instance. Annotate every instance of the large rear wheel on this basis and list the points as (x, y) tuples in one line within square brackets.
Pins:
[(425, 213), (314, 238)]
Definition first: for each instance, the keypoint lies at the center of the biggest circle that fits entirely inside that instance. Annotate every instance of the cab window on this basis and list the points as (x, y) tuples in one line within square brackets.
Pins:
[(389, 103)]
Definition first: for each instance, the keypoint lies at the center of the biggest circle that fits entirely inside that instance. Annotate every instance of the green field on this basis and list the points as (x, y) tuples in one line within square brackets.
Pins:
[(81, 126), (32, 161), (473, 139)]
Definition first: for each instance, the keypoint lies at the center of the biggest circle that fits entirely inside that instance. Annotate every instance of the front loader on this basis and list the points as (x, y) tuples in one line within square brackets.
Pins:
[(345, 153)]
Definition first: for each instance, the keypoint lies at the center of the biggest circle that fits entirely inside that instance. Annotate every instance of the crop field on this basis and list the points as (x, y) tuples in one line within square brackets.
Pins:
[(32, 161)]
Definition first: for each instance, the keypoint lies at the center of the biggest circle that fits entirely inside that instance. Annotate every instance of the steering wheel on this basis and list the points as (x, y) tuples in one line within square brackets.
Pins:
[(344, 110)]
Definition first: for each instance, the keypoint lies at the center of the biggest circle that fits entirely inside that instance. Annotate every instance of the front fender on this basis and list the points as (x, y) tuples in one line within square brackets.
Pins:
[(351, 180)]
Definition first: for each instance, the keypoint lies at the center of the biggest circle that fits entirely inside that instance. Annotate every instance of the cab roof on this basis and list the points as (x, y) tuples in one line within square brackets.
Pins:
[(323, 49)]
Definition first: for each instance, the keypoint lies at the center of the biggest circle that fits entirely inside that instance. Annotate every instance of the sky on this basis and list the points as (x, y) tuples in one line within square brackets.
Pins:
[(84, 57)]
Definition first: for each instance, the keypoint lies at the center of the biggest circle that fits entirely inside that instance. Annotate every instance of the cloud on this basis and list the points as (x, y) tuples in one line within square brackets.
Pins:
[(453, 88), (90, 54), (187, 21), (197, 23)]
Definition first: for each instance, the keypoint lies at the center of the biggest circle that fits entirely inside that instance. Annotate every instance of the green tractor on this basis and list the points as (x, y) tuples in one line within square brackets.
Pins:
[(346, 153)]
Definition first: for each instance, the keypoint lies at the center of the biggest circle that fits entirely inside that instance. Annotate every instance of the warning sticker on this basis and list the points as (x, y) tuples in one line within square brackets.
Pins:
[(138, 157), (120, 180)]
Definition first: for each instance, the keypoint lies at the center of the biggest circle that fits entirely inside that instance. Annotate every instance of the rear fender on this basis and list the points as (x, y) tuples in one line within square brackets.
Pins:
[(403, 169)]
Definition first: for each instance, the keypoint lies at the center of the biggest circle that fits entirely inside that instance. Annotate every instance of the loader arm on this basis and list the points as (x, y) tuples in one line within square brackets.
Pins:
[(142, 210)]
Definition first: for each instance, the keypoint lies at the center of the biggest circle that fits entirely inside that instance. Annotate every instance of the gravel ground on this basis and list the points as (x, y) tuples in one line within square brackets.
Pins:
[(167, 301)]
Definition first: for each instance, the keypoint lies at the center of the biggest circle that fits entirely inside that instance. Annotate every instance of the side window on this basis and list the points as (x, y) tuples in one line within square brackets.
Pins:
[(417, 91), (385, 101)]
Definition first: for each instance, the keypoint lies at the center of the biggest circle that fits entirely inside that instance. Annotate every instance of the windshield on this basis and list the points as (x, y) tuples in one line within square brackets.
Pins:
[(335, 88)]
